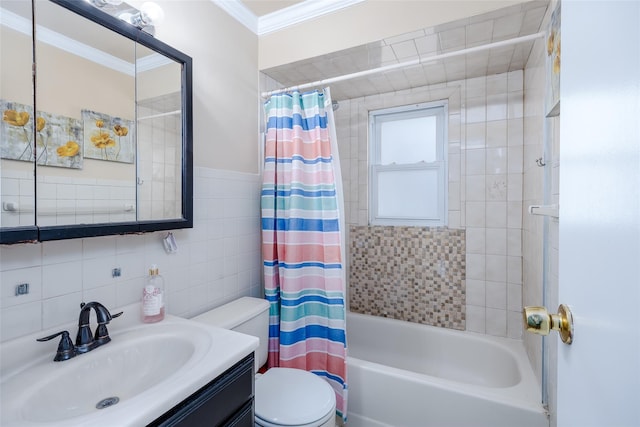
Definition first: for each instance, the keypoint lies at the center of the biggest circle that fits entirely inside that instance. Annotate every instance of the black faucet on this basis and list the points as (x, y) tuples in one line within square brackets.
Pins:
[(85, 340)]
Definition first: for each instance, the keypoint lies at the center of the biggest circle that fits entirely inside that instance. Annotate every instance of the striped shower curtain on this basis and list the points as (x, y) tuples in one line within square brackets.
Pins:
[(301, 239)]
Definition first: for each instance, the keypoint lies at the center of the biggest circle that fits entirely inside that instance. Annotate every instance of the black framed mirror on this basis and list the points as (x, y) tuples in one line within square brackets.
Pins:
[(112, 129)]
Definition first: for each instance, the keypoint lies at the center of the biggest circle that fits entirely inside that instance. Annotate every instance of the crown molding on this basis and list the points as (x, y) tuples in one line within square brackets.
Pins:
[(309, 9), (150, 62), (45, 35), (240, 13)]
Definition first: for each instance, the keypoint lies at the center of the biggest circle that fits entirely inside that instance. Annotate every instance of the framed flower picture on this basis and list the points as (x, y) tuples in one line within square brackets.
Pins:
[(57, 140), (16, 131), (108, 138)]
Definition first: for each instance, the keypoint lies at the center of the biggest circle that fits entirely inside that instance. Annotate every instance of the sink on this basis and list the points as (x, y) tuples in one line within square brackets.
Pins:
[(136, 363), (142, 373)]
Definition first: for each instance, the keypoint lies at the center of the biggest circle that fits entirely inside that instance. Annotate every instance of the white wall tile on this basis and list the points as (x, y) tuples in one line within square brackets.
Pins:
[(496, 295), (476, 135), (476, 319), (55, 252), (496, 214), (496, 322), (475, 214), (476, 266), (496, 160), (475, 292), (484, 176), (475, 188), (61, 309), (20, 256), (475, 161), (497, 133), (21, 320), (97, 272), (496, 241), (475, 240), (98, 247), (497, 107), (64, 273), (476, 110), (61, 279), (514, 297), (514, 325), (496, 269)]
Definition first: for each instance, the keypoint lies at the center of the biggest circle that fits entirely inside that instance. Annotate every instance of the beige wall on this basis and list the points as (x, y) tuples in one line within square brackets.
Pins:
[(15, 76), (365, 22), (225, 82)]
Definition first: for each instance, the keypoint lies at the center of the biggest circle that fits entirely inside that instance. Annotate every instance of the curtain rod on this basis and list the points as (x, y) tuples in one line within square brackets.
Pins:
[(382, 69)]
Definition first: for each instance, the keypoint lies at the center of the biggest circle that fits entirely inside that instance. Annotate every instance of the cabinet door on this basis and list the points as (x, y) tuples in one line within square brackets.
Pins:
[(219, 403), (244, 417)]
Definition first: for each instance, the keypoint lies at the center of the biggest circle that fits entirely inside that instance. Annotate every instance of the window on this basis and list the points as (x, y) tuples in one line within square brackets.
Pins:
[(408, 166)]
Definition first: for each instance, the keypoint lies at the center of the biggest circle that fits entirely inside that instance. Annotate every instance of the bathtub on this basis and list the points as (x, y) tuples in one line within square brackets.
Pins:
[(403, 374)]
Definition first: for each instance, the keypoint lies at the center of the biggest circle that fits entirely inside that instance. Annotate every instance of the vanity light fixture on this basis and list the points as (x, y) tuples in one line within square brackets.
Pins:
[(149, 15), (146, 18)]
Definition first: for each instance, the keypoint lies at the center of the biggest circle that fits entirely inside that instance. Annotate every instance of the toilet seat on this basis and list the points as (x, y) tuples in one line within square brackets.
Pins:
[(293, 397)]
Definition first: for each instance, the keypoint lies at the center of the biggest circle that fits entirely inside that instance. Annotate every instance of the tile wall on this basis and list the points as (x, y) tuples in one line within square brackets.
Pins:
[(160, 141), (64, 200), (485, 185), (218, 260)]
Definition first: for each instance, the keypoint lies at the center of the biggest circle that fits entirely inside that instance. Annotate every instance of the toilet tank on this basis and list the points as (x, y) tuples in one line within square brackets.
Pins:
[(246, 315)]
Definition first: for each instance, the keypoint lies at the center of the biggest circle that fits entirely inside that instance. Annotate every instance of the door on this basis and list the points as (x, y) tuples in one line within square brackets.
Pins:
[(599, 374)]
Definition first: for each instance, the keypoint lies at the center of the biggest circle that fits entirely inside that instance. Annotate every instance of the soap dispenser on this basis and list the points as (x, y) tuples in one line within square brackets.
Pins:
[(153, 297)]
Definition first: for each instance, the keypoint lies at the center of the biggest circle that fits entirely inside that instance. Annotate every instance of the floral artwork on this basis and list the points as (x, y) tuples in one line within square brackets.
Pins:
[(57, 142), (108, 138), (553, 65), (16, 131)]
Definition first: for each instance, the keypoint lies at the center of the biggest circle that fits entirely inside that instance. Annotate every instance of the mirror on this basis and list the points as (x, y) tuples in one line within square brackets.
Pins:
[(112, 147), (17, 179)]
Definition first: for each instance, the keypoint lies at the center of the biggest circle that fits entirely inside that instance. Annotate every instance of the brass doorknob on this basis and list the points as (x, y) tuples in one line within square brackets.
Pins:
[(537, 320)]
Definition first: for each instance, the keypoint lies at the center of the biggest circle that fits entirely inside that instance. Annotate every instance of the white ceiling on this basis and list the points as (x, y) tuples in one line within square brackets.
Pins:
[(265, 16), (508, 23), (265, 7)]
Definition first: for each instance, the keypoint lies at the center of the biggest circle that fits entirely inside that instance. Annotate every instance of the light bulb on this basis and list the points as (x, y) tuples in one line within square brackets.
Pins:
[(152, 13)]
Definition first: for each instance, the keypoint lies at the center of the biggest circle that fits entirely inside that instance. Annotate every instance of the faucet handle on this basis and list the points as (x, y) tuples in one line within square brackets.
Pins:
[(102, 335), (66, 349)]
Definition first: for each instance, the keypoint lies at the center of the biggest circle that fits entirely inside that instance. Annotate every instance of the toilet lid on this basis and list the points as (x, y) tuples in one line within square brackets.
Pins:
[(286, 396)]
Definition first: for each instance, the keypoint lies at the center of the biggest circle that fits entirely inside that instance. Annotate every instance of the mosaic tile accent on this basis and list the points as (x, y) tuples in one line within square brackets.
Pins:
[(416, 274)]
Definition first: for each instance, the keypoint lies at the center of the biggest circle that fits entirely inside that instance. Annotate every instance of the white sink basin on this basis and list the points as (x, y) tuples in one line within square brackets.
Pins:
[(143, 372)]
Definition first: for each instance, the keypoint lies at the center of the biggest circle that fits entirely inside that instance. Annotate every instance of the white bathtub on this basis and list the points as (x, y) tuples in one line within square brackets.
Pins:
[(403, 374)]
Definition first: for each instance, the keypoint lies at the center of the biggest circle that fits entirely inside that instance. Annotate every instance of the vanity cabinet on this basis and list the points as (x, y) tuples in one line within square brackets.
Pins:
[(227, 401)]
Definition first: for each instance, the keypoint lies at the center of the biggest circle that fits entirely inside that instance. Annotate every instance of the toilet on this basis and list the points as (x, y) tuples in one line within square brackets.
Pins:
[(283, 396)]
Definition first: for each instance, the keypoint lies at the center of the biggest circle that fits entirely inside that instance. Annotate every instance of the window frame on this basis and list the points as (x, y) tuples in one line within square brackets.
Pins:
[(439, 109)]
